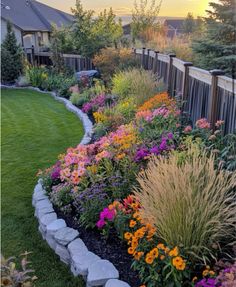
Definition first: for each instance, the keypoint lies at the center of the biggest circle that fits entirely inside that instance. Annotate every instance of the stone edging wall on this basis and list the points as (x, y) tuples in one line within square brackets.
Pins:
[(64, 240)]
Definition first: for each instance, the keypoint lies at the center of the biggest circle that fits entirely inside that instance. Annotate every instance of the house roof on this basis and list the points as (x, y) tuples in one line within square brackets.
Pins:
[(174, 23), (31, 15)]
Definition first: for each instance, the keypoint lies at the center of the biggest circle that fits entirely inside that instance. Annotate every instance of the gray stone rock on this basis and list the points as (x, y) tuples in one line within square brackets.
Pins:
[(38, 187), (43, 203), (54, 226), (116, 283), (46, 219), (63, 253), (51, 241), (77, 247), (100, 272), (65, 235), (40, 212), (38, 197), (82, 262)]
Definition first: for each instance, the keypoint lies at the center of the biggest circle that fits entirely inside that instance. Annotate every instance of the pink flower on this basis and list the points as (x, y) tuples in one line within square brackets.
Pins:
[(100, 223), (203, 124), (187, 129), (219, 123)]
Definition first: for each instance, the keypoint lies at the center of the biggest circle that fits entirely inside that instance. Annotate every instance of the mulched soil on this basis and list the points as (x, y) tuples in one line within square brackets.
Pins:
[(112, 249)]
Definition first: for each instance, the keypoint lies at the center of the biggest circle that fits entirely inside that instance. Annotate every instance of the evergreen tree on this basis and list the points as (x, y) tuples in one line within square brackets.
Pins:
[(217, 48), (11, 57), (189, 24)]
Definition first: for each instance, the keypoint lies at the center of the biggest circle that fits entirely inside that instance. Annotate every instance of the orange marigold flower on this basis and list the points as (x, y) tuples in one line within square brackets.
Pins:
[(154, 252), (179, 263), (162, 257), (174, 252), (131, 250), (132, 223), (128, 235), (149, 259), (161, 246), (205, 273), (138, 255)]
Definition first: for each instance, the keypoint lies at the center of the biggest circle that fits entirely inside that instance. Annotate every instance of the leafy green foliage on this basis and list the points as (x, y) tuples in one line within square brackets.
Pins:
[(11, 57), (144, 16), (217, 48), (92, 34)]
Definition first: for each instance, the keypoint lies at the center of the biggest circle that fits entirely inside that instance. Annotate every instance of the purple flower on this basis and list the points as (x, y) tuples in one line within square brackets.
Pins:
[(170, 136), (141, 154), (163, 145), (56, 173), (209, 282), (155, 150)]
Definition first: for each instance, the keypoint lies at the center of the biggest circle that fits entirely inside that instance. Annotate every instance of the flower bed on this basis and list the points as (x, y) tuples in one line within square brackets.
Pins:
[(112, 184)]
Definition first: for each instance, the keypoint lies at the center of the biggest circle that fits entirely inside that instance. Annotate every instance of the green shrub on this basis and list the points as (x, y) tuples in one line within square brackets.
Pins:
[(191, 203), (11, 57), (79, 99), (136, 83), (37, 76), (110, 60)]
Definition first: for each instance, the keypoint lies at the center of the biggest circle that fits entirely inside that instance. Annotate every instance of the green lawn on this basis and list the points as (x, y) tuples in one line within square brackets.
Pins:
[(35, 130)]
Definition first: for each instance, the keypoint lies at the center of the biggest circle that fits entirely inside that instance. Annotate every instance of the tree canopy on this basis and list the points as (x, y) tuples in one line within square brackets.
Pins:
[(11, 57), (217, 47)]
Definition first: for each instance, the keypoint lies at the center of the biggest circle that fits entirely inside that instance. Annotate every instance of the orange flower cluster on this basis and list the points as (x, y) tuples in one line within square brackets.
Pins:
[(157, 101), (146, 231), (208, 272)]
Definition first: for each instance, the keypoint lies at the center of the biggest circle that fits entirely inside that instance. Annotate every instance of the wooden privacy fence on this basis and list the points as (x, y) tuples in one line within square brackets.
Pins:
[(205, 94), (75, 62)]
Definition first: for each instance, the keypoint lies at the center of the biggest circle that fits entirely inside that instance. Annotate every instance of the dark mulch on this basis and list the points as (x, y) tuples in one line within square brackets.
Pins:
[(112, 249)]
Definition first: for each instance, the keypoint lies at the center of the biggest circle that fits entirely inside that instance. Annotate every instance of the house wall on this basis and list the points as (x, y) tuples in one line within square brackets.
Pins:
[(4, 32)]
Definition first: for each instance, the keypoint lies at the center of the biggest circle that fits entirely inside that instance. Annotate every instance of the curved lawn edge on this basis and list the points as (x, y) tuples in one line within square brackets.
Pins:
[(87, 124), (63, 240)]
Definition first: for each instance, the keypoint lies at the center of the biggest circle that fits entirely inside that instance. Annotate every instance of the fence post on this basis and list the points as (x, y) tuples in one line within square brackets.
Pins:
[(186, 80), (32, 55), (154, 68), (148, 59), (214, 97), (143, 59), (170, 72)]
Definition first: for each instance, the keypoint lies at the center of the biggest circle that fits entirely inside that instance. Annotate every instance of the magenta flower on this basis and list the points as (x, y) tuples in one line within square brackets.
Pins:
[(100, 223)]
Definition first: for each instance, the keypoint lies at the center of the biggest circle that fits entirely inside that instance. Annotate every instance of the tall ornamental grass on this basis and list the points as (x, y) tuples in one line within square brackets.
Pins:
[(192, 205), (136, 83)]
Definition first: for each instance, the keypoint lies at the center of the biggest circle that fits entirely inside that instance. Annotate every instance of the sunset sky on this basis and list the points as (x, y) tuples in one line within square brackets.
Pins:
[(176, 8)]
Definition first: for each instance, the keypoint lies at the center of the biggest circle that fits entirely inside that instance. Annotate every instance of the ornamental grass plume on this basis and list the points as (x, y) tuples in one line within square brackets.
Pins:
[(191, 204)]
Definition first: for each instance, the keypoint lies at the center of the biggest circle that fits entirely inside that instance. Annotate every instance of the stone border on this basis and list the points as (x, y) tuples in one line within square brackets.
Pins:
[(64, 240)]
